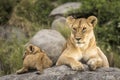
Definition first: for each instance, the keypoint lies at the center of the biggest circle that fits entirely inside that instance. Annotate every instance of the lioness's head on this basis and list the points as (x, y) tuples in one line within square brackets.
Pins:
[(81, 29), (31, 49)]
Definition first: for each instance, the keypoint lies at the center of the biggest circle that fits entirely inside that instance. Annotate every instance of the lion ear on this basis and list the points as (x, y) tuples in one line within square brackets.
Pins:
[(70, 20), (92, 20), (32, 48)]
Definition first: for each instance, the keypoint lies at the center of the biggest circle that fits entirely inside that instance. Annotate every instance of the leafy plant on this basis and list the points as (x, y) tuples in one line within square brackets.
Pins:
[(6, 7), (11, 56)]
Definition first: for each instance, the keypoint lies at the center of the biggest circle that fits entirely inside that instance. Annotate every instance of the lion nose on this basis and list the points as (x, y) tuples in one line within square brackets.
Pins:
[(78, 39)]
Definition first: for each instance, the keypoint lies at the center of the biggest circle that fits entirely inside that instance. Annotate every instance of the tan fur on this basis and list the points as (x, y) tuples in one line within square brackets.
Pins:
[(36, 59), (82, 45)]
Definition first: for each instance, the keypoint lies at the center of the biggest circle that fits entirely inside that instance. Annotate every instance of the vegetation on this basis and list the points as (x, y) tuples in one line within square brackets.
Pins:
[(33, 15), (10, 56)]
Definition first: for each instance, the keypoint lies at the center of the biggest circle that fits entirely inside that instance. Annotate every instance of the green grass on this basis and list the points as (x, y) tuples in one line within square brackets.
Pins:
[(65, 31), (11, 56)]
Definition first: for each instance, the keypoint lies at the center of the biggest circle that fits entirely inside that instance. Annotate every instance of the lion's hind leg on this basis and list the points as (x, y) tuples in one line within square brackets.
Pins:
[(103, 57)]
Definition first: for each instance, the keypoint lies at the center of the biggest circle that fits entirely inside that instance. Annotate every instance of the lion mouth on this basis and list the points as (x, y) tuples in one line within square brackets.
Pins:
[(78, 42)]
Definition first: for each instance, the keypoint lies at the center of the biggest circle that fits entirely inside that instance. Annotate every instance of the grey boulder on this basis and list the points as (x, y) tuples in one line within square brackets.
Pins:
[(65, 8), (59, 23), (65, 73)]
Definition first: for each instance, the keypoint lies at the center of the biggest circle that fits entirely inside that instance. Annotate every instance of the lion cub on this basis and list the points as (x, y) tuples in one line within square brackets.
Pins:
[(81, 45), (36, 59)]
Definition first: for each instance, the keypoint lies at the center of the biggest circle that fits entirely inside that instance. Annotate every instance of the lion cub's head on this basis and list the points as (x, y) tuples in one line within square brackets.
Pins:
[(31, 49), (82, 29)]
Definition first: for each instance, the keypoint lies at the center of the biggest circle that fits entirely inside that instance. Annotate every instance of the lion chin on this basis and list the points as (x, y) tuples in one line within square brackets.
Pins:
[(80, 45)]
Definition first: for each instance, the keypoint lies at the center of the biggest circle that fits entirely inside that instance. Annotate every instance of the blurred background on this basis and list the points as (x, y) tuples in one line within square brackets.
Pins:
[(21, 19)]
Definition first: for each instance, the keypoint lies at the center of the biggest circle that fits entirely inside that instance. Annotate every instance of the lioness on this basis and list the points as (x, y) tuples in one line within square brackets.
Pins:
[(34, 58), (82, 45)]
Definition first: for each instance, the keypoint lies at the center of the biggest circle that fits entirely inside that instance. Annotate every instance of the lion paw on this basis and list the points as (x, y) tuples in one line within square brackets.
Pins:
[(92, 64), (18, 72), (78, 67), (21, 71)]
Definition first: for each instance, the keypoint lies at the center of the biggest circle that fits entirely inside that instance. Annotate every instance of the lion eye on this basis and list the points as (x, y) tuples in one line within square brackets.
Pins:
[(74, 29), (84, 29)]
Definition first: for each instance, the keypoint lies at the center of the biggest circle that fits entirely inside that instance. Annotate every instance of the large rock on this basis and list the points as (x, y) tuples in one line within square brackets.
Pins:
[(65, 8), (65, 73), (59, 23), (51, 41), (10, 33)]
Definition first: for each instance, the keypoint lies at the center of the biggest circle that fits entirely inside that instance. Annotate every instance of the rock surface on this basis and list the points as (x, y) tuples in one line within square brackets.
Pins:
[(63, 9), (65, 73), (59, 23), (51, 41), (10, 33)]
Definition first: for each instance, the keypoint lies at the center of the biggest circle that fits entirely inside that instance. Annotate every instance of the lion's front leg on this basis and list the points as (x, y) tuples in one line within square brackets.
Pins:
[(22, 70), (94, 63), (74, 64)]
